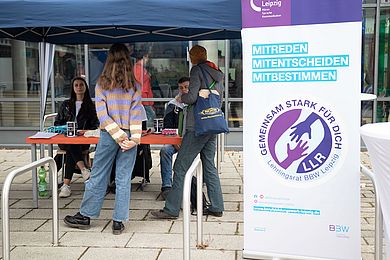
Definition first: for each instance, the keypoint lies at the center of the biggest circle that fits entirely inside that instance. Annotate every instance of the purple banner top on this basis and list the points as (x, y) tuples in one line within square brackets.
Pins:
[(266, 13)]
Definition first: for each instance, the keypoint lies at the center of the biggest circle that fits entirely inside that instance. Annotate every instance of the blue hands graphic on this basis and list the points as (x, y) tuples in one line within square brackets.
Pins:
[(303, 127)]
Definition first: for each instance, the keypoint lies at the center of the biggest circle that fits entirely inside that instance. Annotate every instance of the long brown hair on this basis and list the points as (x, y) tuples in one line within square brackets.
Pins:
[(118, 69)]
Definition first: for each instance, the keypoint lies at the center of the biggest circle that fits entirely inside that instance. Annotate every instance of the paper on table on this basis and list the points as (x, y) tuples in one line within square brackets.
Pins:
[(45, 135), (92, 133)]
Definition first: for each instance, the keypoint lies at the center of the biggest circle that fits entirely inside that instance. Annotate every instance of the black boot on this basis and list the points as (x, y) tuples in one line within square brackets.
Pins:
[(117, 227), (207, 212), (77, 221)]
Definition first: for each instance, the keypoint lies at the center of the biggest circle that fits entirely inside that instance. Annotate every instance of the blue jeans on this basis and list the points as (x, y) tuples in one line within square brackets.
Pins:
[(107, 151), (166, 154), (190, 147)]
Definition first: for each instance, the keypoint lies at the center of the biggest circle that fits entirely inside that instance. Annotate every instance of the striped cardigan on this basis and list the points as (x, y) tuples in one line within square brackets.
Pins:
[(117, 110)]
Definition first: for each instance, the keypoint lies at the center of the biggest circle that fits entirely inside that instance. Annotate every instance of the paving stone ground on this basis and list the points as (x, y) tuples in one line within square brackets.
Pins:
[(145, 238)]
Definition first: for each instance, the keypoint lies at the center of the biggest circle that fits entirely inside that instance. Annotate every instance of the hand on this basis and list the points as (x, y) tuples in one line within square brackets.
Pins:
[(127, 145), (298, 151), (294, 154), (81, 131), (177, 146), (304, 127), (300, 129)]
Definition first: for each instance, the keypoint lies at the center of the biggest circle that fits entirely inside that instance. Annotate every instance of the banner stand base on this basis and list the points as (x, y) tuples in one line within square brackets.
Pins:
[(275, 256)]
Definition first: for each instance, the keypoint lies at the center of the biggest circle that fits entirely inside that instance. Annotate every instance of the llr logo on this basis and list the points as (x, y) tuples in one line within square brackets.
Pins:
[(300, 140)]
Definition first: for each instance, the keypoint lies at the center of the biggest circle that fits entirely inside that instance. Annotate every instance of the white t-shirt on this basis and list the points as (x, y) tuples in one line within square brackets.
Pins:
[(78, 106)]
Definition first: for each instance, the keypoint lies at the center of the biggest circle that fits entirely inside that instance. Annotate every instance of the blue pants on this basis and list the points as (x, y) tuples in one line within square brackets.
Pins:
[(107, 151), (166, 154), (191, 146)]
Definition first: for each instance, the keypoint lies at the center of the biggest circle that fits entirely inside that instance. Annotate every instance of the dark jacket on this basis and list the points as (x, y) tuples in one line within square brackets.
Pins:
[(197, 82), (86, 118), (171, 117)]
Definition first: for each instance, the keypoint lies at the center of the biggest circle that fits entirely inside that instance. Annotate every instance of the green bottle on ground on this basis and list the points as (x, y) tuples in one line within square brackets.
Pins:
[(42, 184)]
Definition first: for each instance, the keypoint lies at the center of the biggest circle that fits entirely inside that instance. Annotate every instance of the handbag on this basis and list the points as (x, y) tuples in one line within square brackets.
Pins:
[(209, 118)]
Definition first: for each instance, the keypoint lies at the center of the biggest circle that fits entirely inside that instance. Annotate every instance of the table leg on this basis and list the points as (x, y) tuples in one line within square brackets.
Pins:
[(50, 150), (378, 215), (42, 150), (34, 177), (49, 186), (378, 230)]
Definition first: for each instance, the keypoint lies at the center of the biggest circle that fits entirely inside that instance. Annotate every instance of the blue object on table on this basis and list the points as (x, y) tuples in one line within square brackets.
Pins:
[(60, 129)]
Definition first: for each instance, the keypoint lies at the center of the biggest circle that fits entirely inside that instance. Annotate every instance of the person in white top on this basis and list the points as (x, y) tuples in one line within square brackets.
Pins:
[(80, 109)]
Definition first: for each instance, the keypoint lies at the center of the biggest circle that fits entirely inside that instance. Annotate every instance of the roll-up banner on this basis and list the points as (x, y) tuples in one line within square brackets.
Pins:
[(301, 61)]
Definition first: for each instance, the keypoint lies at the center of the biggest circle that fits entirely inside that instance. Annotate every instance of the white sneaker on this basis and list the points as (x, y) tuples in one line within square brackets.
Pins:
[(65, 191), (86, 173)]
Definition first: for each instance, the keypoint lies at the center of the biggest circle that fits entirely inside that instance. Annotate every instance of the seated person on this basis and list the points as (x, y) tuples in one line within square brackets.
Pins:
[(81, 109), (171, 120)]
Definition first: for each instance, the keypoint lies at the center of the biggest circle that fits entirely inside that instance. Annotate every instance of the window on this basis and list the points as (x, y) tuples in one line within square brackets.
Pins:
[(368, 49)]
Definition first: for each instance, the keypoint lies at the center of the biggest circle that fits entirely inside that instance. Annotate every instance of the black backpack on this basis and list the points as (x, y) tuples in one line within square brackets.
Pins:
[(206, 204)]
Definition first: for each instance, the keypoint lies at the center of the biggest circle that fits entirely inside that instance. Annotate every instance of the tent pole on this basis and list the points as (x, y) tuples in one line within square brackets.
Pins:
[(52, 91), (86, 63), (190, 44), (227, 67), (46, 57)]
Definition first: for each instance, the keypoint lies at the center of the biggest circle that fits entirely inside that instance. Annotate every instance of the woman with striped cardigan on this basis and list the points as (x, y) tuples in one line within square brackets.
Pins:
[(118, 106)]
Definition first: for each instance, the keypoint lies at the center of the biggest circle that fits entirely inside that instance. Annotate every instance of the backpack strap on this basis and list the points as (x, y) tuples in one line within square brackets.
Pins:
[(209, 86)]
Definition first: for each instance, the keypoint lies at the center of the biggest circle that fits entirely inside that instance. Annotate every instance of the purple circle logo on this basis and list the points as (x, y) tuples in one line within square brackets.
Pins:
[(300, 140)]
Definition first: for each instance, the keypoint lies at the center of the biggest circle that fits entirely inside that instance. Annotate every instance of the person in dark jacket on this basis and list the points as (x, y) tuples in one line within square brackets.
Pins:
[(80, 109), (171, 120), (193, 145)]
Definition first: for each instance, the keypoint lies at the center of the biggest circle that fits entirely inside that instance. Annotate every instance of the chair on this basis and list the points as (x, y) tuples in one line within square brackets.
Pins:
[(377, 139), (62, 152), (86, 157)]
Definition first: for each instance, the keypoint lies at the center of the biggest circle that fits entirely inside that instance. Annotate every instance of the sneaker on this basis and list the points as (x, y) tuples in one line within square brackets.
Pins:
[(77, 221), (161, 214), (65, 191), (86, 173), (117, 227)]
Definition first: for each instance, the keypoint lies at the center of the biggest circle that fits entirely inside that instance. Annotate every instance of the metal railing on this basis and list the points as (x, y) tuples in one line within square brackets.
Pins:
[(220, 151), (378, 215), (196, 168), (51, 116), (5, 201)]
